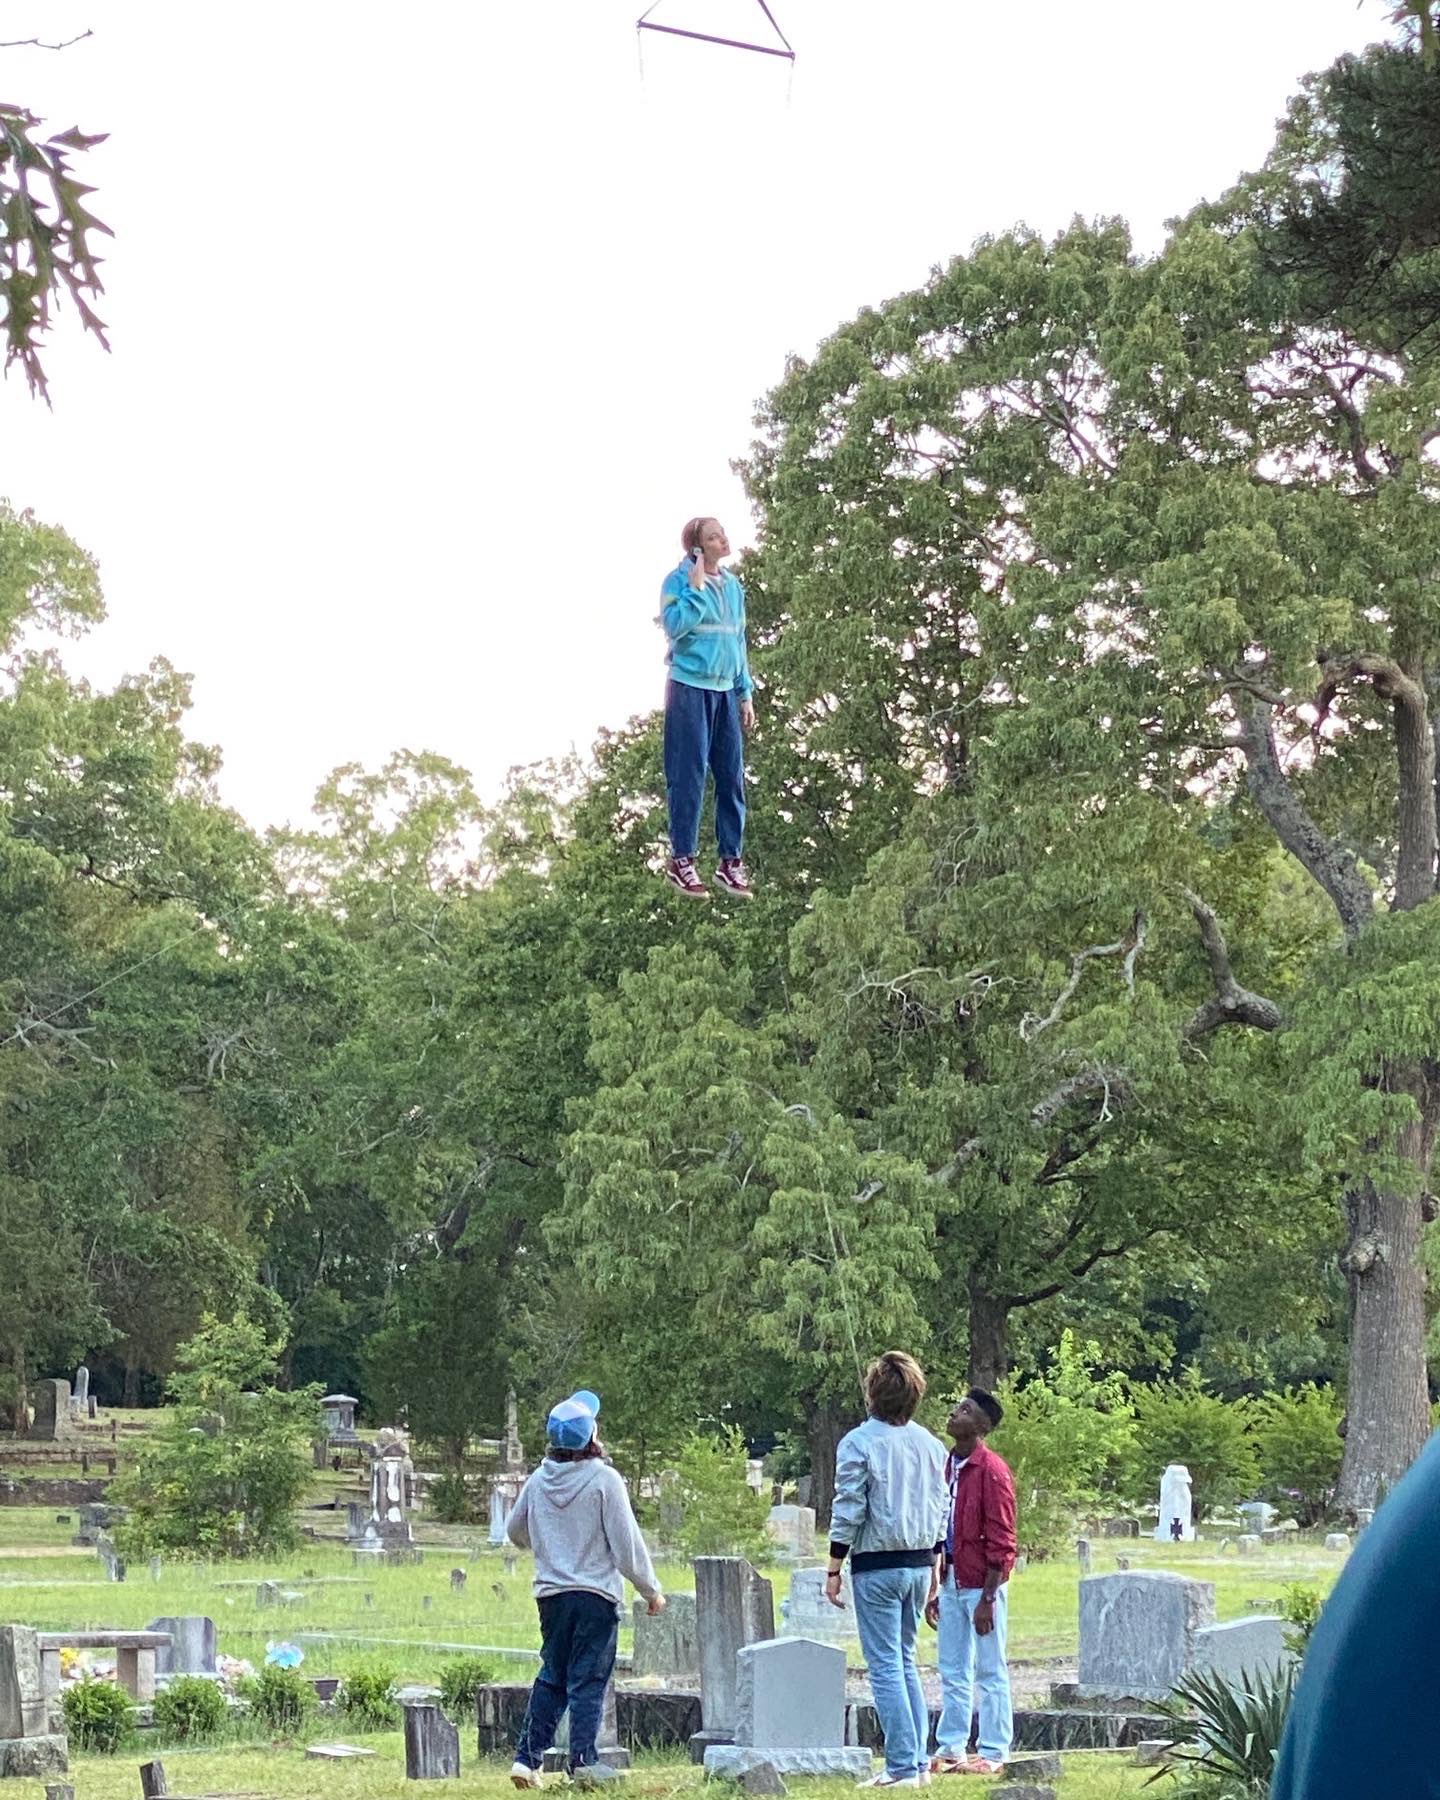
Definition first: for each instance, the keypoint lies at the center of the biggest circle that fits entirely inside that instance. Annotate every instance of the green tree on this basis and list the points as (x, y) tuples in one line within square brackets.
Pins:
[(1297, 1441), (1179, 1422), (224, 1474), (722, 1515)]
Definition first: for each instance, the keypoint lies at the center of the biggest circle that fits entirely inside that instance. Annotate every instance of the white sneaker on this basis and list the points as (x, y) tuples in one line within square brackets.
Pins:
[(523, 1776)]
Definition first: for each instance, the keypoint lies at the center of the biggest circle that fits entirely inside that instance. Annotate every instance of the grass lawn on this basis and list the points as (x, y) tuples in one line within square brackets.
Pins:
[(284, 1772), (413, 1608)]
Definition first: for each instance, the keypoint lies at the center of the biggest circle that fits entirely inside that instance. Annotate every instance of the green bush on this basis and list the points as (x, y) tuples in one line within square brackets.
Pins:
[(280, 1698), (1237, 1733), (461, 1679), (190, 1710), (1300, 1609), (723, 1517), (99, 1716), (448, 1498), (1299, 1445), (1064, 1434), (367, 1699), (1179, 1422)]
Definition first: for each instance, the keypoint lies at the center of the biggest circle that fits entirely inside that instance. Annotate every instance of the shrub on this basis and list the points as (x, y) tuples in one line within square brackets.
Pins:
[(1063, 1435), (367, 1697), (1179, 1422), (1237, 1732), (99, 1716), (1300, 1609), (280, 1698), (722, 1516), (1299, 1446), (448, 1498), (460, 1681), (190, 1710)]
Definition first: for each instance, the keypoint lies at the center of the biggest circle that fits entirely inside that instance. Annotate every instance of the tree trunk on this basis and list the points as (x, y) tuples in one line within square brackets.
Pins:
[(827, 1423), (132, 1384), (1388, 1416), (989, 1339), (22, 1388)]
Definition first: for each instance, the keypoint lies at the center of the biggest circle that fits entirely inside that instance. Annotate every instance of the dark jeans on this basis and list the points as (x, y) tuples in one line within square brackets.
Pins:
[(702, 731), (578, 1634)]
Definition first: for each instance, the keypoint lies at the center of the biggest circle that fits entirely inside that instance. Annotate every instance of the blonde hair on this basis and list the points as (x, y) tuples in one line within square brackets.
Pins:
[(894, 1387)]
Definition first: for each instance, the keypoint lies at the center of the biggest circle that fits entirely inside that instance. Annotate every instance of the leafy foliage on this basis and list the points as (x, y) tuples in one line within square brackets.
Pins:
[(1300, 1607), (1065, 1435), (281, 1698), (225, 1473), (1297, 1442), (723, 1517), (190, 1710), (1179, 1422), (1238, 1729), (99, 1716), (45, 236), (461, 1678), (450, 1500), (367, 1698)]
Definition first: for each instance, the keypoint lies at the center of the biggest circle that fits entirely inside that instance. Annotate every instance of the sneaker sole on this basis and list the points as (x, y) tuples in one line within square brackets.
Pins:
[(687, 893), (735, 893)]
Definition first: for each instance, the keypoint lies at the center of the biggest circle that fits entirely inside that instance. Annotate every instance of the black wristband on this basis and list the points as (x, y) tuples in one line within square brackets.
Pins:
[(838, 1552)]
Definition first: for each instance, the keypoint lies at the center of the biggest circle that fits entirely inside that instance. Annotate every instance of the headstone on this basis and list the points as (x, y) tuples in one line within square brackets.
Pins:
[(457, 1581), (153, 1785), (669, 1643), (607, 1739), (1337, 1540), (1242, 1647), (1138, 1631), (52, 1410), (734, 1606), (790, 1695), (91, 1409), (499, 1512), (23, 1711), (807, 1613), (426, 1602), (1082, 1554), (354, 1521), (513, 1452), (191, 1650), (59, 1790), (1248, 1544), (432, 1744), (157, 1567), (392, 1492), (338, 1412), (762, 1780), (1258, 1513), (1175, 1504), (804, 1489), (35, 1758), (1120, 1528), (267, 1593), (80, 1395), (336, 1752), (792, 1530)]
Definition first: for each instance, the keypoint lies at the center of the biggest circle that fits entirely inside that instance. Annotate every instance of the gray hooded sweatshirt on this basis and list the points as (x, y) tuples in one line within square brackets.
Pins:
[(576, 1518)]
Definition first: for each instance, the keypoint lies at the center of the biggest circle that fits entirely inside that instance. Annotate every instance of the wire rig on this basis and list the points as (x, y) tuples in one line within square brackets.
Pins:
[(783, 49)]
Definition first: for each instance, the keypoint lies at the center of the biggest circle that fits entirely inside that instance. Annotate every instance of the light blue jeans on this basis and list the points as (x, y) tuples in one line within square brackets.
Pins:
[(967, 1662), (889, 1605)]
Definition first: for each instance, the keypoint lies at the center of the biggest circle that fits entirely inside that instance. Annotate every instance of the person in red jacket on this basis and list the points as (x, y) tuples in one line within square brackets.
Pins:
[(969, 1603)]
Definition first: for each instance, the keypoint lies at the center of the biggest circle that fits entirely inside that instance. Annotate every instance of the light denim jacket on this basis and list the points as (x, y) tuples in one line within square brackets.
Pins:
[(889, 1489)]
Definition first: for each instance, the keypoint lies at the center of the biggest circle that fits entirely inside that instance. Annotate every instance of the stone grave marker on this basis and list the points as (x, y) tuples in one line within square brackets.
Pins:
[(1337, 1540), (607, 1739), (791, 1529), (432, 1744), (1242, 1647), (52, 1410), (1138, 1631), (734, 1606), (668, 1644), (192, 1648), (32, 1736), (457, 1581), (1249, 1543), (807, 1613), (789, 1712), (80, 1394), (1082, 1554)]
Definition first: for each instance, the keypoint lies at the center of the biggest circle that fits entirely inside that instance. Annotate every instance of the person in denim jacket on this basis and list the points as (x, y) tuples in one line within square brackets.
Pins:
[(889, 1519)]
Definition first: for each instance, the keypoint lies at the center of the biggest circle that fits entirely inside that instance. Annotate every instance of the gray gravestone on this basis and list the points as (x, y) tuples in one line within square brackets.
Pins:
[(734, 1606), (432, 1744), (1082, 1554), (52, 1409), (191, 1650), (807, 1613), (1338, 1540), (1242, 1647), (1249, 1544), (23, 1712), (80, 1396), (790, 1695), (457, 1581), (1138, 1631), (792, 1530), (668, 1644)]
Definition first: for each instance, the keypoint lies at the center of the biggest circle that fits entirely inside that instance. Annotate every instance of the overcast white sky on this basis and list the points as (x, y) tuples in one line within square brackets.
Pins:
[(433, 323)]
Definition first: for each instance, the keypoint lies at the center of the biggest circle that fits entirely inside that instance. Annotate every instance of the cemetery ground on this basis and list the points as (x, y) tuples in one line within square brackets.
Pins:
[(408, 1620)]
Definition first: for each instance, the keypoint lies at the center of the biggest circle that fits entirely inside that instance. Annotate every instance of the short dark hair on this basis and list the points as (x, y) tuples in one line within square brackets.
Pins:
[(690, 536), (988, 1404), (894, 1387)]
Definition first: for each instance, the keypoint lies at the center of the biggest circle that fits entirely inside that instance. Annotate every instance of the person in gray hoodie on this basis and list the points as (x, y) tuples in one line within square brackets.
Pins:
[(575, 1515)]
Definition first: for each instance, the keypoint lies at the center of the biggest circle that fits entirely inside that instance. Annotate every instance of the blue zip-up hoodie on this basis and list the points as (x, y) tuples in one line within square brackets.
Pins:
[(706, 630)]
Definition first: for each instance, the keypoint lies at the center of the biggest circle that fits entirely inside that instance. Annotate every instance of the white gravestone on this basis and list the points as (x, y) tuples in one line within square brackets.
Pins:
[(789, 1712), (1175, 1503)]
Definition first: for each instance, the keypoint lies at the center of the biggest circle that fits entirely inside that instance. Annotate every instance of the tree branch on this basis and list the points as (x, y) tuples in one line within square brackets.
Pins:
[(1104, 1079), (1271, 791), (1231, 1003), (1129, 947), (36, 44)]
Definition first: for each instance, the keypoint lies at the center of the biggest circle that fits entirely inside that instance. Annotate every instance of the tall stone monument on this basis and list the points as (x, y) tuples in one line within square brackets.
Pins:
[(1175, 1503), (734, 1606)]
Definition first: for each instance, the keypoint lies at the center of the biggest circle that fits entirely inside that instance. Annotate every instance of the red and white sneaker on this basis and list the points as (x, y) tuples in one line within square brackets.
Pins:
[(731, 877), (684, 877)]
